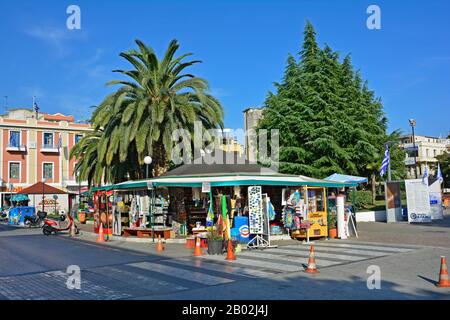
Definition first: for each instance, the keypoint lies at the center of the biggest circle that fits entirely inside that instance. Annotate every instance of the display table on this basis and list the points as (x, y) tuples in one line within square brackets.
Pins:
[(147, 232)]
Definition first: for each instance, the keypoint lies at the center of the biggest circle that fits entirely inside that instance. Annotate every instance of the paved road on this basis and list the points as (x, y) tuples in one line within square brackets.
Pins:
[(34, 266)]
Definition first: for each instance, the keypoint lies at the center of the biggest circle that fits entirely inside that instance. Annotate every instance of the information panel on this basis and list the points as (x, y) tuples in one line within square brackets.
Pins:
[(418, 201)]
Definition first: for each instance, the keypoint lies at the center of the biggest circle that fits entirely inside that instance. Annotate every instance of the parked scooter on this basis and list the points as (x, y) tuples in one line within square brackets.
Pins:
[(4, 216), (35, 220), (53, 226)]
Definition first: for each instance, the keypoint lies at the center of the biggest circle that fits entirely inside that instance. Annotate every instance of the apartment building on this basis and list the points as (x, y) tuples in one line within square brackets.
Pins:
[(426, 150), (36, 146)]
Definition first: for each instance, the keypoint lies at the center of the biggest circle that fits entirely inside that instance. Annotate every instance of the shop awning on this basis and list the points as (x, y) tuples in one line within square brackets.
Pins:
[(224, 180), (20, 197), (346, 178), (245, 179)]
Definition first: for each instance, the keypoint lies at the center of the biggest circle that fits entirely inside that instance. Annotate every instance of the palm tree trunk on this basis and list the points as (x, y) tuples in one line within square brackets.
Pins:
[(373, 182)]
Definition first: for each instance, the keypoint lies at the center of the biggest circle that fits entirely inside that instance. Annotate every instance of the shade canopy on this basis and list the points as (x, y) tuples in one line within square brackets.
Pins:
[(346, 178), (20, 197), (41, 188)]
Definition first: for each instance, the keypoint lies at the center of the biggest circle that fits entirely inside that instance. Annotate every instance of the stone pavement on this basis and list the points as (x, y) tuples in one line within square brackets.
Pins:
[(436, 233), (107, 272), (33, 266)]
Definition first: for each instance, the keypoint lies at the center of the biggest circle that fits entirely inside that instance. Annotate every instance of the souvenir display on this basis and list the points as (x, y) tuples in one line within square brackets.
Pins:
[(255, 209), (294, 212)]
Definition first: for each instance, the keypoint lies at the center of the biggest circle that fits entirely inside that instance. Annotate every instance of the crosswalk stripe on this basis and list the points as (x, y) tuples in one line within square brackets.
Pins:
[(319, 254), (298, 260), (256, 263), (225, 268), (145, 282), (367, 247), (344, 251), (381, 244), (181, 273)]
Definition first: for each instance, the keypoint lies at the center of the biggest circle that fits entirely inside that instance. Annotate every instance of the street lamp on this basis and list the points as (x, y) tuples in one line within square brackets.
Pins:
[(43, 191), (412, 123), (147, 161)]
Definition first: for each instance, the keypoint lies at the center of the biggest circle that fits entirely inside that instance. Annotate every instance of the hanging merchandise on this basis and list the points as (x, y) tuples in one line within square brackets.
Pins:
[(294, 212), (210, 215), (271, 211), (288, 217), (224, 207), (134, 216)]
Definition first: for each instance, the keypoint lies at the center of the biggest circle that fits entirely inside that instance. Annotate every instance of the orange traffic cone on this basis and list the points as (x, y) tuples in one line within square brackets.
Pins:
[(198, 249), (230, 251), (101, 237), (159, 245), (312, 268), (444, 281)]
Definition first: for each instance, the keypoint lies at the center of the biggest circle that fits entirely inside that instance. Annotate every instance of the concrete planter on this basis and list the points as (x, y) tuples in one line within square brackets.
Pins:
[(371, 216)]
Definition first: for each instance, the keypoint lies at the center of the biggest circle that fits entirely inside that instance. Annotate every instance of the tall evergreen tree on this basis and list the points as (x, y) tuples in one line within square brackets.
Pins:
[(329, 120)]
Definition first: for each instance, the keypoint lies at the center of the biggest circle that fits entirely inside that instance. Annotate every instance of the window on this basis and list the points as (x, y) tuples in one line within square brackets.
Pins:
[(435, 152), (14, 139), (48, 140), (48, 171), (78, 138), (14, 170)]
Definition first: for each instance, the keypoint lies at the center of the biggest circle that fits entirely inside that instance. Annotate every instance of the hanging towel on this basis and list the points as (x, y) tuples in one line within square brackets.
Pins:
[(210, 215)]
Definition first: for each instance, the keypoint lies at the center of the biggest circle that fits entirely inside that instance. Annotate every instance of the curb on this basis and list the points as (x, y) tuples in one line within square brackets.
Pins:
[(137, 240)]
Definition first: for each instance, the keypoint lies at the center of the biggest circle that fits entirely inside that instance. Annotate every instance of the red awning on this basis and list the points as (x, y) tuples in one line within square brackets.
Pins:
[(40, 187)]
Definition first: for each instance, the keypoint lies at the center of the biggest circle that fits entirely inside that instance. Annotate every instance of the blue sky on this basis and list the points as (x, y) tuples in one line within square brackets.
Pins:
[(243, 46)]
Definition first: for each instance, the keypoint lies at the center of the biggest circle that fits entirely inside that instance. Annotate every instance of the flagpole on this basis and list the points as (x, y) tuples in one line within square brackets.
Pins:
[(389, 164), (34, 107)]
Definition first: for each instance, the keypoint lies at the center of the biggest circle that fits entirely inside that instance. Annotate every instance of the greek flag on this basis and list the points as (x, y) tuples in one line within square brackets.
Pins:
[(36, 107), (385, 163), (439, 174), (425, 176)]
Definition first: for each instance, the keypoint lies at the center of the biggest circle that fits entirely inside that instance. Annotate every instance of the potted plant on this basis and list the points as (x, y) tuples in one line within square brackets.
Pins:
[(332, 230), (81, 216), (215, 241)]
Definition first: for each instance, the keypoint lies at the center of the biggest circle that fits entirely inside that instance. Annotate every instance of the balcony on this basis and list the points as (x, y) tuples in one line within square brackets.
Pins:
[(50, 148), (16, 148)]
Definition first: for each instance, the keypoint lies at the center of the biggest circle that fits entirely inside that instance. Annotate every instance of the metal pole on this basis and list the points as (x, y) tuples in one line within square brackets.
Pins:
[(107, 216), (146, 171), (414, 150), (389, 165), (79, 193), (153, 214), (43, 185)]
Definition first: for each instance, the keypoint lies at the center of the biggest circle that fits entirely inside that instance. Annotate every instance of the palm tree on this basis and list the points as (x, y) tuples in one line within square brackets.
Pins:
[(85, 151), (157, 99)]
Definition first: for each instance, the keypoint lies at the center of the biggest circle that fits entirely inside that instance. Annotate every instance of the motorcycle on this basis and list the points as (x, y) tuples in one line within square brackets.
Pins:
[(4, 216), (53, 226), (35, 220)]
